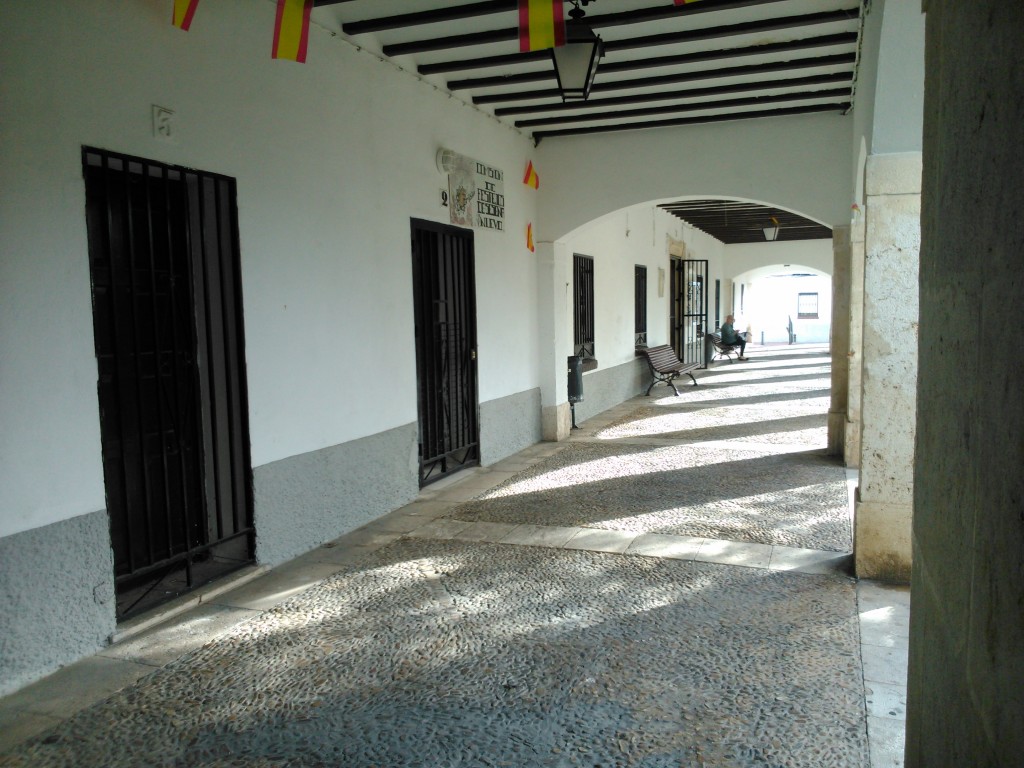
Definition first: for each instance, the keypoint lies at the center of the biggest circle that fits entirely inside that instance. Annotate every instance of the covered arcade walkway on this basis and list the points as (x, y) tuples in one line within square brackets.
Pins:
[(668, 587)]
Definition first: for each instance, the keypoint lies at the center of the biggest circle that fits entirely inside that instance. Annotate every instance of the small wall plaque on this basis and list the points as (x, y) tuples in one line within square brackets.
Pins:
[(163, 123)]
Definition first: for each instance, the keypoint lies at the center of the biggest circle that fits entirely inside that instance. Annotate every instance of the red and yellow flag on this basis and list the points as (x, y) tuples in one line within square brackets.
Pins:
[(529, 238), (684, 2), (184, 10), (531, 179), (291, 29), (541, 25)]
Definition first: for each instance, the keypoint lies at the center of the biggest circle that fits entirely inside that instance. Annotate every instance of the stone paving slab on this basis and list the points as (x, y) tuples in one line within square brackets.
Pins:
[(454, 653), (794, 499)]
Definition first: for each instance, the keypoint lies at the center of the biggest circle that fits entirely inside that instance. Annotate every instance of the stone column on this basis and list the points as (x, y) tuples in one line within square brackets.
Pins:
[(855, 350), (965, 688), (554, 269), (884, 508), (840, 342)]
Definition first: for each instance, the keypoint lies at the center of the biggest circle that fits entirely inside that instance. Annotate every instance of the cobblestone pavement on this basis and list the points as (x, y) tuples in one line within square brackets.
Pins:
[(733, 458), (439, 640)]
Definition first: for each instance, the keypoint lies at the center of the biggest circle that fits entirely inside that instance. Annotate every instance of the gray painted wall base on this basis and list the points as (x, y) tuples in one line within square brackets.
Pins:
[(57, 582), (508, 425), (306, 500), (56, 597), (303, 501), (605, 388)]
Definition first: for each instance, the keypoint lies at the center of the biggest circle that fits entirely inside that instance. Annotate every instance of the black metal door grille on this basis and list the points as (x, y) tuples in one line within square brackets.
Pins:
[(444, 303), (164, 259), (689, 314)]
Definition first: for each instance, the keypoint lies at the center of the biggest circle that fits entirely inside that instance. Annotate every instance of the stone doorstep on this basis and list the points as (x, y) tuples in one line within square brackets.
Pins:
[(187, 602)]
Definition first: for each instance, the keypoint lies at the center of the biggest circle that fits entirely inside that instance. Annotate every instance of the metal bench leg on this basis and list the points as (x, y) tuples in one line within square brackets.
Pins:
[(691, 378)]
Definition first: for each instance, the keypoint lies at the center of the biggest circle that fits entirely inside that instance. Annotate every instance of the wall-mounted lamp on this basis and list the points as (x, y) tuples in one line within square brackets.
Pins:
[(576, 61), (446, 160), (771, 233)]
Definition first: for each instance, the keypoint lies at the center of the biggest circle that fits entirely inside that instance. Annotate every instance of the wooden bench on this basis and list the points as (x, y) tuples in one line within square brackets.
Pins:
[(665, 366), (722, 349)]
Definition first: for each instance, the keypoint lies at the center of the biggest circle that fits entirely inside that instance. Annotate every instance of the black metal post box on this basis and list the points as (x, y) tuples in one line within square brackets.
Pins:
[(575, 379)]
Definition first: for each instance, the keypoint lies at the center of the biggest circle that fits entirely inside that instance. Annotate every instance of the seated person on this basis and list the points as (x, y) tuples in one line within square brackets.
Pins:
[(731, 337)]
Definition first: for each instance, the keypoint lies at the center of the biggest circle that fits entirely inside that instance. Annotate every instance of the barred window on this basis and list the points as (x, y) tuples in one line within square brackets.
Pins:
[(583, 306), (807, 306), (640, 306)]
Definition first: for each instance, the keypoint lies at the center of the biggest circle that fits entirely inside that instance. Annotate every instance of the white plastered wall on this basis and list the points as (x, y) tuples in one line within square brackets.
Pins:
[(332, 158), (638, 235), (813, 254), (800, 163)]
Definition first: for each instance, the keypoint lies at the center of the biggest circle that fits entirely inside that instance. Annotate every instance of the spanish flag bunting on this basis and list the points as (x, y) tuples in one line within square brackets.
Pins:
[(529, 238), (291, 29), (541, 25), (531, 179), (184, 10), (684, 2)]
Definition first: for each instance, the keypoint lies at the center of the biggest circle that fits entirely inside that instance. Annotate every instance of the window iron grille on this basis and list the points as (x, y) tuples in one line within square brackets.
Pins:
[(640, 305), (583, 306)]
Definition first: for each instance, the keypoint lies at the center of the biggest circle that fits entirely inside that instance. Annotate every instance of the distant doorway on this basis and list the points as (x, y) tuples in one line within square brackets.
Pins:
[(444, 303), (689, 309), (167, 320)]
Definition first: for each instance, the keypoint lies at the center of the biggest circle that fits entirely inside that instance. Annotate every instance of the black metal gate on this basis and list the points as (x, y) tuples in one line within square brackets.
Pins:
[(167, 320), (444, 302), (689, 313)]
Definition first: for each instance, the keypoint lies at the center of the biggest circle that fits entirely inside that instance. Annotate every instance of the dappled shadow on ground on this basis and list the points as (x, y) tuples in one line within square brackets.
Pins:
[(452, 653), (793, 499), (725, 397), (443, 653), (720, 425)]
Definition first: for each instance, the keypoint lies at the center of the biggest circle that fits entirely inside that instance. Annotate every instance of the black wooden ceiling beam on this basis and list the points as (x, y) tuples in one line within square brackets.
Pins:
[(758, 218), (512, 33), (661, 12), (486, 62), (671, 109), (477, 9), (743, 28), (453, 41), (804, 43), (679, 59), (434, 16), (687, 93), (679, 77), (839, 107), (731, 233), (735, 221)]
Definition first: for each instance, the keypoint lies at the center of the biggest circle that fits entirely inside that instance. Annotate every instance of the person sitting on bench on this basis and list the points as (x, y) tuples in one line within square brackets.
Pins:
[(729, 336)]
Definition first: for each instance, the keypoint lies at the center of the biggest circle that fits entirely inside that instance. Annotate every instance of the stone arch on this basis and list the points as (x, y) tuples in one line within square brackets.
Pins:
[(799, 163)]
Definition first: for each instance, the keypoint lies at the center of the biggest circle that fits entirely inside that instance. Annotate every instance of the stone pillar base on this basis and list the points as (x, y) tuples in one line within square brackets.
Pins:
[(556, 422), (836, 433), (882, 540), (851, 449)]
